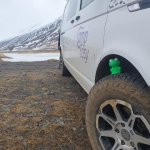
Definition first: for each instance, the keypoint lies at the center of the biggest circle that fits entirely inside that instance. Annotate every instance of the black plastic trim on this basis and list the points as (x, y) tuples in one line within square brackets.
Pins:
[(144, 4)]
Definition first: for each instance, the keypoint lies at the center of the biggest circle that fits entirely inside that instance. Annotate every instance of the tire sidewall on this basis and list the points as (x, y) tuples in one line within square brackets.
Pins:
[(114, 88)]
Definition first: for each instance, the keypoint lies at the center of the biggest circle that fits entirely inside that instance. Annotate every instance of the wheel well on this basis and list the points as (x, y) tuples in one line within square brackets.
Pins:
[(103, 69)]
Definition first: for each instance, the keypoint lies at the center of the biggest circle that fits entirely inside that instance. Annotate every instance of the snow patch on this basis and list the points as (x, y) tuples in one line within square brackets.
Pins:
[(30, 57)]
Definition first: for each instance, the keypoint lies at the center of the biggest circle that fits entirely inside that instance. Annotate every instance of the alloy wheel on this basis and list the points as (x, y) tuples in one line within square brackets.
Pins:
[(119, 128)]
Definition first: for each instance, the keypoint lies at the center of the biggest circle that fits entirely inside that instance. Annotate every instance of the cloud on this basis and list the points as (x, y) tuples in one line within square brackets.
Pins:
[(48, 9), (18, 15)]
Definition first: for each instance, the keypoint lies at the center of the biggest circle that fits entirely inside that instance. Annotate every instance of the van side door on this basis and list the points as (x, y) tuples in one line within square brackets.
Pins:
[(90, 29), (83, 40)]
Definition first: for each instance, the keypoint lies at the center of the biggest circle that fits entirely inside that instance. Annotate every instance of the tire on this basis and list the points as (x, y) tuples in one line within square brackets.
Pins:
[(65, 71), (122, 88), (60, 59)]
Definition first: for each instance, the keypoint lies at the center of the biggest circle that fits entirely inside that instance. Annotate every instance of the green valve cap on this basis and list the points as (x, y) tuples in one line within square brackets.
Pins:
[(115, 66)]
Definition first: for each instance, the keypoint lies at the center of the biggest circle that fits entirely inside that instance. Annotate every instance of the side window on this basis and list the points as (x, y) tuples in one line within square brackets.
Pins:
[(84, 3), (71, 9), (65, 12)]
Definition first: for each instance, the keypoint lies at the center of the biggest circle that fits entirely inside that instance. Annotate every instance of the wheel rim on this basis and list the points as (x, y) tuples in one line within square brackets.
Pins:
[(119, 128)]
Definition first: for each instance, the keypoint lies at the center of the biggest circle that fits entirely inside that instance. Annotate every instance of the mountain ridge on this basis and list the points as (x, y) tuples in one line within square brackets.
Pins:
[(45, 38)]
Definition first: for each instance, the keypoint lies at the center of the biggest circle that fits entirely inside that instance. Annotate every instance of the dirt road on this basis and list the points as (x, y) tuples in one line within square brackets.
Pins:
[(40, 109)]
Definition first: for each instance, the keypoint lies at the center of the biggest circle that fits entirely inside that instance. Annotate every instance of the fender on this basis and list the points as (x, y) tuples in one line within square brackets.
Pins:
[(140, 60), (129, 39)]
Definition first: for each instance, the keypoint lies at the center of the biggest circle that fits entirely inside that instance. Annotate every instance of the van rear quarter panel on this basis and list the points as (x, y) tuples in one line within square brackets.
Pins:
[(128, 34)]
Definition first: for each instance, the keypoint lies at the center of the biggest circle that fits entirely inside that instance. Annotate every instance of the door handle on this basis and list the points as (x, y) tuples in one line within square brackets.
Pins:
[(78, 18), (72, 21)]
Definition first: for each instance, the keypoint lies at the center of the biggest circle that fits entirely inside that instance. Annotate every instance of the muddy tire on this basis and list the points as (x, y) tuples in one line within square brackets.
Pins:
[(65, 71), (118, 109), (60, 59)]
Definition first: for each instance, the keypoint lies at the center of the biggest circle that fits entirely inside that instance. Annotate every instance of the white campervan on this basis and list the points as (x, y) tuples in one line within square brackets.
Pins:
[(105, 45)]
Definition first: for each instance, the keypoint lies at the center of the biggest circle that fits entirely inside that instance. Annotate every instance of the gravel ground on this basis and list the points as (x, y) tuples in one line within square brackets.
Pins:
[(40, 109)]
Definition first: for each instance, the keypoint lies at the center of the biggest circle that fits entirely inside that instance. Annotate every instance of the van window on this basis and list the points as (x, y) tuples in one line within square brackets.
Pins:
[(71, 8), (84, 3)]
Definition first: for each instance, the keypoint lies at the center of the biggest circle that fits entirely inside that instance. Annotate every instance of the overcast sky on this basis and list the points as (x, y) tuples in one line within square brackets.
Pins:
[(18, 16)]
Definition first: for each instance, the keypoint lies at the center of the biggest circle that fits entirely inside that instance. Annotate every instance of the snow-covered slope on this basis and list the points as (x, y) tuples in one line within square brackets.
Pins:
[(44, 38)]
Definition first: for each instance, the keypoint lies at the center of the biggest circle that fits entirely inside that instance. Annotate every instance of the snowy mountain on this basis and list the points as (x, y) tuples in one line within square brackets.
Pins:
[(44, 38)]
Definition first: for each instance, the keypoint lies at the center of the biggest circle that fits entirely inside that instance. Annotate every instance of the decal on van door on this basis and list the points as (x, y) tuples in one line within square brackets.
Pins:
[(116, 3), (82, 37)]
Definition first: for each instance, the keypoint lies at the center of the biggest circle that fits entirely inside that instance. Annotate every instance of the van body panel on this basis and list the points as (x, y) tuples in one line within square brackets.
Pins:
[(105, 28), (130, 38)]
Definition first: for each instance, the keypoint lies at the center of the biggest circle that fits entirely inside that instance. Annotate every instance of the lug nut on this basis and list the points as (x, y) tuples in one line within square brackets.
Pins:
[(122, 142), (117, 130), (122, 124), (131, 132), (132, 144)]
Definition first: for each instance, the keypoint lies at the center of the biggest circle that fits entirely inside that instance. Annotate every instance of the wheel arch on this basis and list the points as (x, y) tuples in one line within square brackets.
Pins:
[(103, 69)]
